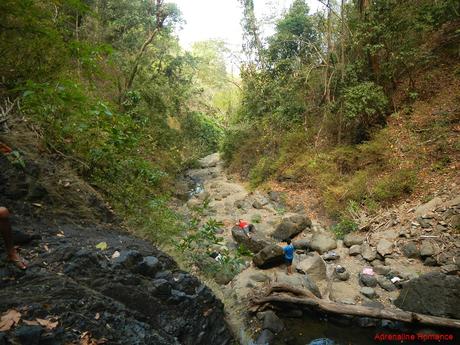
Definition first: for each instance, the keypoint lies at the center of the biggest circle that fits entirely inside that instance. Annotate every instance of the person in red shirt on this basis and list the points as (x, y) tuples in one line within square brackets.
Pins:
[(5, 229), (246, 227)]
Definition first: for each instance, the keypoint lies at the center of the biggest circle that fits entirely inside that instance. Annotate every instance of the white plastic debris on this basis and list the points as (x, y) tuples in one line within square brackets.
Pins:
[(395, 279)]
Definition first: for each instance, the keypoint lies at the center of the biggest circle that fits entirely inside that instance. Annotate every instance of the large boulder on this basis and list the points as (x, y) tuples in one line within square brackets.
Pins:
[(410, 250), (298, 281), (272, 322), (433, 293), (323, 242), (343, 292), (301, 244), (313, 266), (209, 161), (428, 207), (255, 243), (369, 253), (427, 249), (352, 239), (270, 256), (291, 226), (384, 247)]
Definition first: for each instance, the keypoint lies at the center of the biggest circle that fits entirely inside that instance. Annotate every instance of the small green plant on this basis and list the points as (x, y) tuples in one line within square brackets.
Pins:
[(243, 251), (15, 158), (256, 218), (345, 226)]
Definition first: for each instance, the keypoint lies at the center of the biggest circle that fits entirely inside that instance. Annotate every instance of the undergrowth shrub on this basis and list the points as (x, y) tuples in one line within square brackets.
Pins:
[(394, 185), (261, 171), (345, 226)]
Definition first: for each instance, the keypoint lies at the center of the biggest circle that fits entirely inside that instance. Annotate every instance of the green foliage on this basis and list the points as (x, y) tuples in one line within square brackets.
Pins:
[(15, 157), (364, 107), (200, 241), (232, 141), (202, 131), (395, 185), (261, 171), (345, 226)]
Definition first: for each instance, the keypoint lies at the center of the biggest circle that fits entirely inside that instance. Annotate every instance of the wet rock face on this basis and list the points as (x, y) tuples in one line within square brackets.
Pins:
[(140, 297), (433, 294)]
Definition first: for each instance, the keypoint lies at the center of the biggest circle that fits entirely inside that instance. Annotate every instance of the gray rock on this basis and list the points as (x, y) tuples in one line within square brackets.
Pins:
[(372, 304), (291, 226), (314, 266), (430, 261), (272, 322), (341, 273), (369, 253), (332, 255), (239, 204), (255, 243), (323, 242), (209, 161), (383, 270), (426, 249), (301, 220), (386, 284), (28, 335), (301, 244), (271, 255), (454, 202), (455, 221), (260, 277), (127, 259), (410, 250), (368, 292), (352, 239), (424, 223), (449, 269), (285, 230), (162, 287), (354, 250), (368, 280), (428, 207), (274, 196), (384, 247), (266, 337), (257, 205), (299, 281), (433, 293), (149, 266)]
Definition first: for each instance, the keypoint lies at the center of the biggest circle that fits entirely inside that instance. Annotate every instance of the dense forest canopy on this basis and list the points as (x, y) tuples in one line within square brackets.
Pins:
[(318, 95), (106, 85)]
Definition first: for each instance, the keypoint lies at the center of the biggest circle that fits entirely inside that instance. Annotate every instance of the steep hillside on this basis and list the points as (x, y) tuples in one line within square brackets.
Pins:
[(89, 281)]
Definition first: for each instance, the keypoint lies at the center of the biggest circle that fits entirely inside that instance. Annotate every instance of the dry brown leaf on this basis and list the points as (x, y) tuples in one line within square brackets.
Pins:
[(50, 325), (10, 318), (87, 339)]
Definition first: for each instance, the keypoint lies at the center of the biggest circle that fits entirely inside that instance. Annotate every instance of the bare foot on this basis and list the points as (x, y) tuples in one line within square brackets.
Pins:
[(17, 260)]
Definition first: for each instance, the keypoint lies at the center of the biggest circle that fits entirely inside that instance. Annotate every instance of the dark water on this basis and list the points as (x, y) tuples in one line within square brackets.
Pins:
[(310, 330)]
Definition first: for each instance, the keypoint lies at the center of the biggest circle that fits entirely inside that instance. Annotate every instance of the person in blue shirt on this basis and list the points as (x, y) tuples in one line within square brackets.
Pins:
[(288, 256)]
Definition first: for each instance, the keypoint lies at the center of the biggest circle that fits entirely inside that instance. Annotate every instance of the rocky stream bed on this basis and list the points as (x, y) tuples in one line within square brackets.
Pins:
[(404, 259)]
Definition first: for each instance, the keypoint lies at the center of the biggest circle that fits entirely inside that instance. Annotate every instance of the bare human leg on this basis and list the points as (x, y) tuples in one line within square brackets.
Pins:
[(5, 229)]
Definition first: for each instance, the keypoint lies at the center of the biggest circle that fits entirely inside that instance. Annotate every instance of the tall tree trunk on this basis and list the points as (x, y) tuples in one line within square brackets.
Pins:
[(160, 19)]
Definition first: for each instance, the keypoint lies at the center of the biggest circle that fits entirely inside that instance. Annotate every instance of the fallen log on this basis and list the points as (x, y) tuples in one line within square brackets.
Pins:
[(310, 300)]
